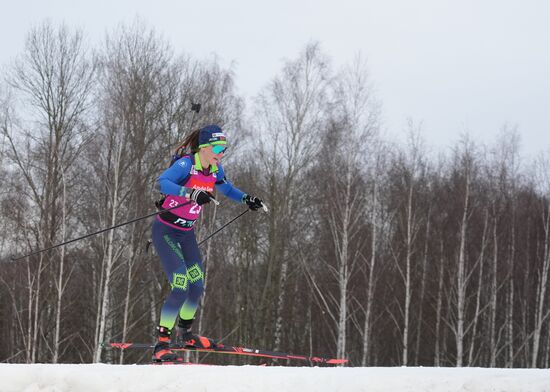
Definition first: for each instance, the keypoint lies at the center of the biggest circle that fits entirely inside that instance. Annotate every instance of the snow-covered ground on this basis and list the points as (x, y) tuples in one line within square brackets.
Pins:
[(136, 378)]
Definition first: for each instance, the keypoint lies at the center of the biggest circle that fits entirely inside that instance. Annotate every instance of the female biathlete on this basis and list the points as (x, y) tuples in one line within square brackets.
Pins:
[(188, 182)]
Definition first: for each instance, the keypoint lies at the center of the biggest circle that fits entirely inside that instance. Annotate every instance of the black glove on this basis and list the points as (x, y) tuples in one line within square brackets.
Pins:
[(253, 202), (200, 197)]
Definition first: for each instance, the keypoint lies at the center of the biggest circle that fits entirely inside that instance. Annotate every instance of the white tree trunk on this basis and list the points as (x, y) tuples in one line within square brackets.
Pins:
[(36, 311), (471, 351), (422, 288), (28, 342), (280, 303), (461, 280), (341, 239), (439, 305), (60, 284), (108, 262), (127, 300), (494, 288), (343, 286), (541, 293), (408, 256), (370, 283), (510, 312)]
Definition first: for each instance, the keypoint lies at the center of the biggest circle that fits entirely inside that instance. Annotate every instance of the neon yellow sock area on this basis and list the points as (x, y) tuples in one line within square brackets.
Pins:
[(168, 319), (187, 311)]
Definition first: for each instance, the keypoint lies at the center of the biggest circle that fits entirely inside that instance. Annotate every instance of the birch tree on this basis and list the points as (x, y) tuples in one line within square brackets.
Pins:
[(55, 77), (503, 163), (378, 222), (354, 127), (409, 177), (137, 85), (291, 111), (465, 176), (542, 312)]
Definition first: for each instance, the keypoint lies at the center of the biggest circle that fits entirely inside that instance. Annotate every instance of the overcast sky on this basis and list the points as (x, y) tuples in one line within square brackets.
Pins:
[(454, 65)]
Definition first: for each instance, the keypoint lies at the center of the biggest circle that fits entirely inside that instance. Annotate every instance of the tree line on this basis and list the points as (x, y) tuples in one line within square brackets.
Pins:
[(381, 252)]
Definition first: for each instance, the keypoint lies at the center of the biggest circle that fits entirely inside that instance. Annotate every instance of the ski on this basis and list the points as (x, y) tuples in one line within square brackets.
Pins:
[(235, 350), (181, 363)]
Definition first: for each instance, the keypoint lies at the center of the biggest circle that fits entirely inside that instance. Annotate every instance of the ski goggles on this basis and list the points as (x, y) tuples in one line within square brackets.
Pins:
[(218, 149)]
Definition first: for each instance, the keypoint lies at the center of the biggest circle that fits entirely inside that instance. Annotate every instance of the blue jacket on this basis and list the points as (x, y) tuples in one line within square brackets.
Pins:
[(172, 180)]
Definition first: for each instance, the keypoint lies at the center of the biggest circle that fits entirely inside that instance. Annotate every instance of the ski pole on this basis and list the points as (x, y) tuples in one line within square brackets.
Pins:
[(101, 231), (224, 226), (264, 208)]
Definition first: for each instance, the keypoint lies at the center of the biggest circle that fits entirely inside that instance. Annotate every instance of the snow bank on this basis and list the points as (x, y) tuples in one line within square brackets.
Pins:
[(137, 378)]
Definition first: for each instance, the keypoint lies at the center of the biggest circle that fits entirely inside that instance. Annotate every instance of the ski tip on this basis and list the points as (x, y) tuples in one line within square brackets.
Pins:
[(122, 346), (337, 361)]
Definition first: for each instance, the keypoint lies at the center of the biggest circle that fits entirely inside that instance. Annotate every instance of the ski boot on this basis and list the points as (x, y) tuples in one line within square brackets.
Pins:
[(162, 352), (184, 337)]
